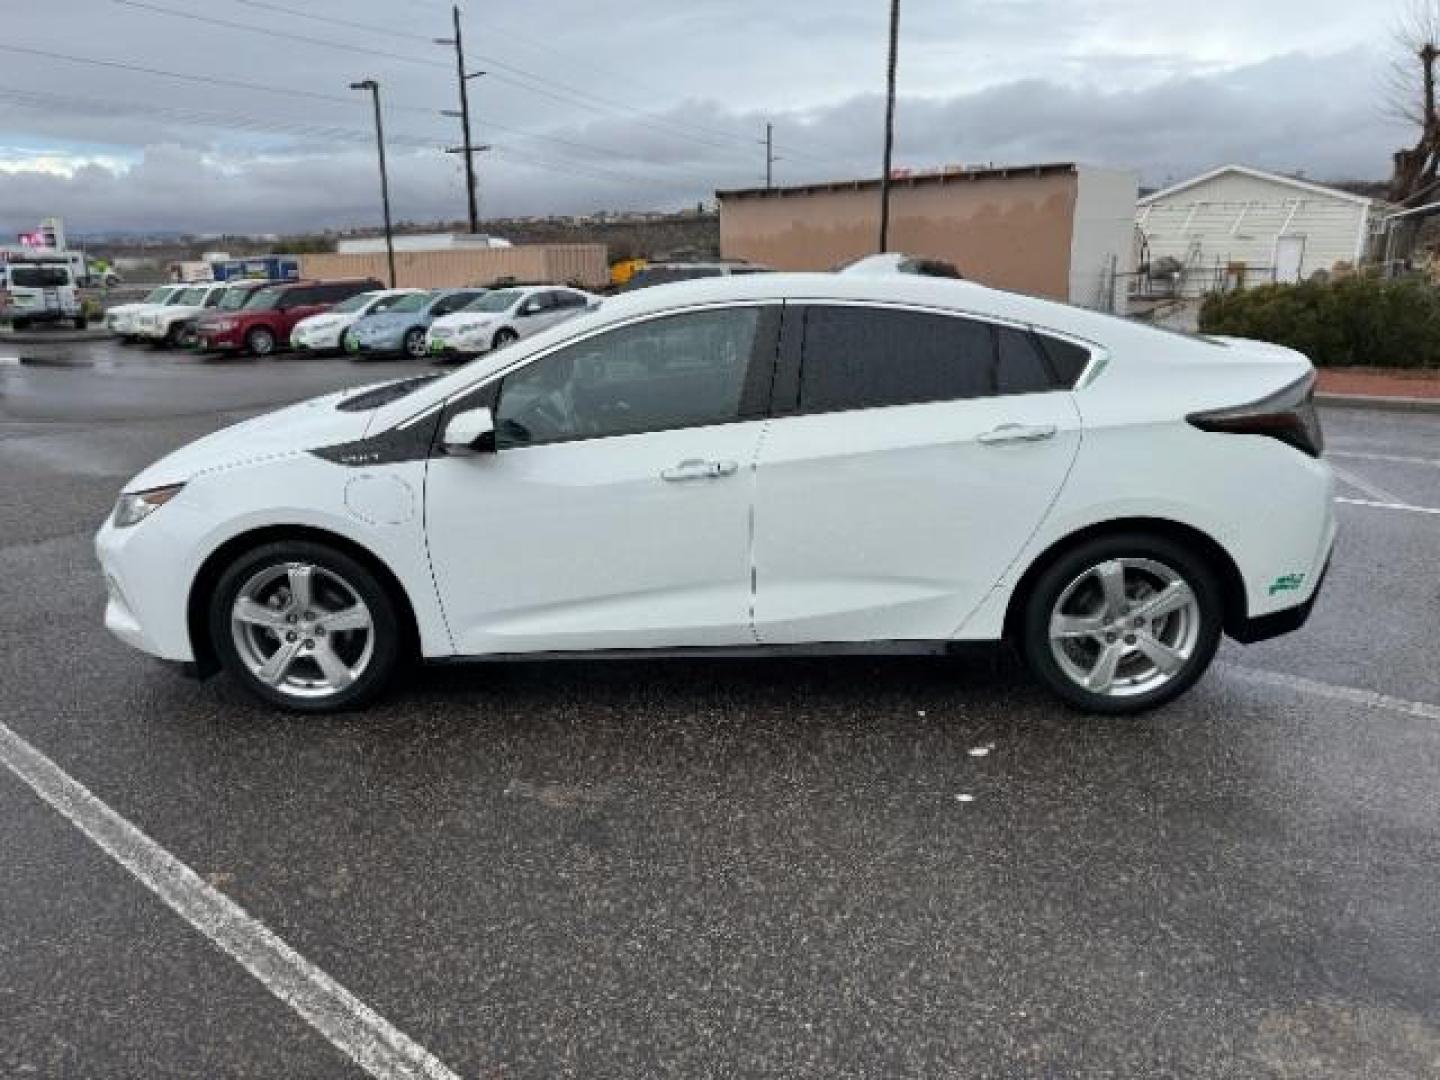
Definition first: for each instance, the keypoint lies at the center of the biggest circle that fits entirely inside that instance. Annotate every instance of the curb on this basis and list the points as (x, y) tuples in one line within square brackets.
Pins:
[(1388, 404), (58, 337)]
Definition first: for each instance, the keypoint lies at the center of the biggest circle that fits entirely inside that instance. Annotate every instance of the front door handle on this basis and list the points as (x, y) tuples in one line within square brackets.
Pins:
[(1011, 433), (699, 469)]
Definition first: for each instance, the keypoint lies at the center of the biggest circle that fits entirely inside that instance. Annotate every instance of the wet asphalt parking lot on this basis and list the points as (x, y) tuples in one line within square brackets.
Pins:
[(787, 868)]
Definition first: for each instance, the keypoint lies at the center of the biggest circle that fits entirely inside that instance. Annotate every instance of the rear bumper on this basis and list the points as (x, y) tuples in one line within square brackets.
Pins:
[(1278, 623)]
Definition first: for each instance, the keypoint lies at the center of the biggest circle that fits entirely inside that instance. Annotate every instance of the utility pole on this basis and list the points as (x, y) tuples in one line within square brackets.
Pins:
[(889, 126), (769, 156), (466, 147), (374, 88)]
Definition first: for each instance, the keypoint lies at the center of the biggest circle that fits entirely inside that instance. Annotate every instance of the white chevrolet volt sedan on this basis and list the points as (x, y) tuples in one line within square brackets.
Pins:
[(752, 464)]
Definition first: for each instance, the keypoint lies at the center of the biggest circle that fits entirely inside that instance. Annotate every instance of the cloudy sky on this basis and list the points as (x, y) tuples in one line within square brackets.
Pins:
[(176, 122)]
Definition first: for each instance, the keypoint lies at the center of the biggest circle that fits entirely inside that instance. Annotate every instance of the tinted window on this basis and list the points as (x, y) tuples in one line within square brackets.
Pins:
[(39, 277), (678, 371), (1022, 368), (860, 358), (569, 300), (264, 299), (1067, 359), (453, 302)]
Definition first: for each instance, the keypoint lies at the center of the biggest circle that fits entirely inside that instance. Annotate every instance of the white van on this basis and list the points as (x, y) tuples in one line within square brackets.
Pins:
[(43, 289)]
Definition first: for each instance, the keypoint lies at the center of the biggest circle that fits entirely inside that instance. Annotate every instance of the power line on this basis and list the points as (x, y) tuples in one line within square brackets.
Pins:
[(517, 76)]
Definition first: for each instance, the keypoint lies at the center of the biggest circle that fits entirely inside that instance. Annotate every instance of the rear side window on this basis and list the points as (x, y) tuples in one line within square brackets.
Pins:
[(864, 358), (1068, 360), (1021, 368)]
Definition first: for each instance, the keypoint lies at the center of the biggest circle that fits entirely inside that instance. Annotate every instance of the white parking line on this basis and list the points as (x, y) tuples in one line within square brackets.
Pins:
[(9, 361), (1399, 459), (355, 1029), (1350, 694), (1359, 483), (1388, 505)]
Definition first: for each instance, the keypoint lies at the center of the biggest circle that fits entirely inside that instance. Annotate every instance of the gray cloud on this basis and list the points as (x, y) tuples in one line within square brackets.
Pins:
[(1114, 82)]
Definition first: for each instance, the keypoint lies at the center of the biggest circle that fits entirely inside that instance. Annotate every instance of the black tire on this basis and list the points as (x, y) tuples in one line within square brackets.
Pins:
[(414, 344), (185, 336), (331, 569), (260, 341), (503, 337), (81, 324), (1146, 551), (19, 324)]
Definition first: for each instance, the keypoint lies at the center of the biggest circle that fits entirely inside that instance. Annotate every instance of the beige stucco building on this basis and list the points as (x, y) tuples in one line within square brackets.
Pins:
[(1063, 231)]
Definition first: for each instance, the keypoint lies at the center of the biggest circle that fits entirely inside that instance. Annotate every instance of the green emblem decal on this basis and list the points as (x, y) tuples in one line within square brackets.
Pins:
[(1287, 583)]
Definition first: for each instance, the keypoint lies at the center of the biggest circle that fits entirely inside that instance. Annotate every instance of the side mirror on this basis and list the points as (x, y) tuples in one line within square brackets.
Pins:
[(470, 432)]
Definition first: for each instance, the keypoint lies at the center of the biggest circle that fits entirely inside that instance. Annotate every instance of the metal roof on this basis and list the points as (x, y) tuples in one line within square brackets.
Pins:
[(914, 179)]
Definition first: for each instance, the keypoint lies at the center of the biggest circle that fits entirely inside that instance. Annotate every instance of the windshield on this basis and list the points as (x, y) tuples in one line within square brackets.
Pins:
[(494, 301), (39, 277), (409, 302), (158, 296), (356, 303), (193, 297), (387, 303), (264, 299), (234, 299)]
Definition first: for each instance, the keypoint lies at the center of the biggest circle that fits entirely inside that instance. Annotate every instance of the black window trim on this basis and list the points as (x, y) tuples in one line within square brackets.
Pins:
[(786, 398), (755, 396)]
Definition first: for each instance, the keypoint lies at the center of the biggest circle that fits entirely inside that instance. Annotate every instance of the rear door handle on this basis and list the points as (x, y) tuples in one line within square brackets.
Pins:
[(699, 469), (1011, 433)]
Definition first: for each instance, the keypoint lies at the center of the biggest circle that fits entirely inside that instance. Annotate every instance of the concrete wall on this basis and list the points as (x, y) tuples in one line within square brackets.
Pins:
[(583, 264), (1012, 232), (1236, 218)]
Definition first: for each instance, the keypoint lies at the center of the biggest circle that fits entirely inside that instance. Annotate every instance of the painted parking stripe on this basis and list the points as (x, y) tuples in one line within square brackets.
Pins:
[(9, 361), (1399, 459), (355, 1029), (1350, 694), (1359, 483), (1388, 505)]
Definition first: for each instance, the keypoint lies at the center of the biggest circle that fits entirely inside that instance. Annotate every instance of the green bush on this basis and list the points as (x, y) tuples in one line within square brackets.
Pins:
[(1353, 320)]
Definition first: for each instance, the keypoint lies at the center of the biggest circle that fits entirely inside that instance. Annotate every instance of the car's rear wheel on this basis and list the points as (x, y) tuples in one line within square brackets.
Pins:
[(1120, 624), (503, 338), (260, 341), (306, 627), (415, 343)]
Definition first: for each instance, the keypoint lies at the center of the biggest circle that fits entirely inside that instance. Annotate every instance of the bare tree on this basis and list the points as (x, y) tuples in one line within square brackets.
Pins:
[(1412, 97)]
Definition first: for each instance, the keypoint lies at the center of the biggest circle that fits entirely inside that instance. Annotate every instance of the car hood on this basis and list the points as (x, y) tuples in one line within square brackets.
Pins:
[(461, 318), (388, 321), (295, 429)]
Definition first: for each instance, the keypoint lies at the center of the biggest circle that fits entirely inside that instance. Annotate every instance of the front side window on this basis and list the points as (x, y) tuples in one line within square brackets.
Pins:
[(865, 358), (409, 302), (187, 298), (452, 303), (235, 299), (264, 299), (686, 370)]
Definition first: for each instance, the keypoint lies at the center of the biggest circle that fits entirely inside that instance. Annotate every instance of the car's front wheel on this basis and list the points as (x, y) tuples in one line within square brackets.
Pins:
[(415, 343), (1120, 624), (306, 627), (503, 337), (260, 341)]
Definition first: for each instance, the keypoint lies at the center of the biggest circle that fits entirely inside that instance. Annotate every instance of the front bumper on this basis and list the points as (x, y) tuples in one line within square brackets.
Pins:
[(146, 592), (209, 339)]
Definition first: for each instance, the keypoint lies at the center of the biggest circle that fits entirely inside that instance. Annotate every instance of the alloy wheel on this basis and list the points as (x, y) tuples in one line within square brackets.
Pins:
[(415, 344), (302, 630), (1125, 627)]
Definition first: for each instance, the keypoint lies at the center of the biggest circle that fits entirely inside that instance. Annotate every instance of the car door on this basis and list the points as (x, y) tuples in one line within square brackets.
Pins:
[(615, 512), (920, 451)]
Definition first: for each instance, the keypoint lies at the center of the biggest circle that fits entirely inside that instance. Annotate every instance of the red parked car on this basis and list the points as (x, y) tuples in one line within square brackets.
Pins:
[(264, 322)]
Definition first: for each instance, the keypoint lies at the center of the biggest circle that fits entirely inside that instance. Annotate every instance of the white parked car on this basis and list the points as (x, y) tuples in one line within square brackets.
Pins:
[(120, 319), (172, 323), (323, 332), (502, 316), (749, 464)]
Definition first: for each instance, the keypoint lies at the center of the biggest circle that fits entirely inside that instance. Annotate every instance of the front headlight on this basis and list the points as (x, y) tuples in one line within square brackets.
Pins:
[(134, 507)]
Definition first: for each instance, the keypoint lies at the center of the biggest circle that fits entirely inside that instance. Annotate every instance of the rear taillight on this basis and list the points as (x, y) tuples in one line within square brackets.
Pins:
[(1288, 415)]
